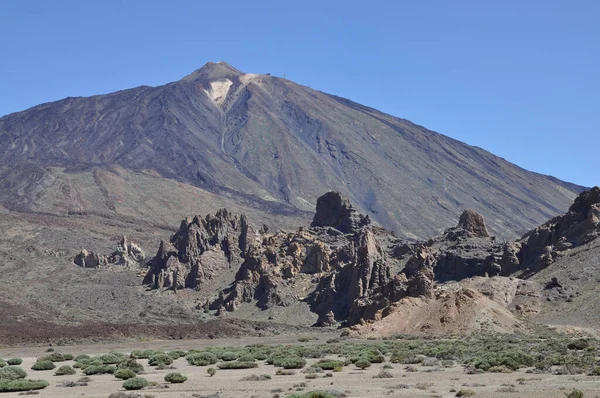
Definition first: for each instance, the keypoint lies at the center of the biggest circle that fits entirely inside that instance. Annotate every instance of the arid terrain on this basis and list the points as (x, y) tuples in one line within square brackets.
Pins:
[(396, 375), (245, 221)]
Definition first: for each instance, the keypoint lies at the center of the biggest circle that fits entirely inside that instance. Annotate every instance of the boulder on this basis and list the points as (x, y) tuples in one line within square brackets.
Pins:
[(473, 222)]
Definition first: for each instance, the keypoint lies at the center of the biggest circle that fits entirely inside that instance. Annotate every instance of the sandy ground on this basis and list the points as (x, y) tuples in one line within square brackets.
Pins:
[(352, 381)]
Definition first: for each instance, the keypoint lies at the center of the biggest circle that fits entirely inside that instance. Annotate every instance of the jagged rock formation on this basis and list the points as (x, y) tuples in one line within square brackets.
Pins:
[(351, 272), (198, 250), (333, 210), (467, 250), (543, 245), (127, 254)]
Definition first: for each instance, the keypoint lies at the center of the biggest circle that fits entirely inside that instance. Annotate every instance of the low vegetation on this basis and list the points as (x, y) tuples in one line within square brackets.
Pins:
[(22, 385), (136, 383), (175, 378)]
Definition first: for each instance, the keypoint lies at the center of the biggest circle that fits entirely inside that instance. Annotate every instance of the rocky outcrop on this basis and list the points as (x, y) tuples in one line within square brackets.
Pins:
[(473, 223), (336, 211), (127, 254), (199, 250), (543, 245), (87, 259)]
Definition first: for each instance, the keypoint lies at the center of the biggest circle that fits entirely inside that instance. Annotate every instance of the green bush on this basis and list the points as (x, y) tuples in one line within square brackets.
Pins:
[(465, 393), (43, 365), (125, 374), (362, 363), (64, 370), (99, 370), (175, 378), (236, 365), (228, 356), (144, 354), (54, 357), (2, 364), (82, 357), (211, 371), (202, 359), (15, 361), (176, 354), (12, 373), (246, 358), (22, 385), (132, 365), (112, 358), (158, 359), (328, 364), (136, 383), (292, 363)]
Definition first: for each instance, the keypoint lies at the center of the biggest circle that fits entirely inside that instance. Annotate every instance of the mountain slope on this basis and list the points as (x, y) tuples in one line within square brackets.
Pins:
[(274, 145)]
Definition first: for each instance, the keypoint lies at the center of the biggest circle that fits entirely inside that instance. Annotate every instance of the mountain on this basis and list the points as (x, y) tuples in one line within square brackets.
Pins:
[(261, 144)]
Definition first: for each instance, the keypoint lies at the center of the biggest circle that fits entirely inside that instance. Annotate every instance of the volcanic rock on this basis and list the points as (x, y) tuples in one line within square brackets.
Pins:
[(473, 222), (334, 210)]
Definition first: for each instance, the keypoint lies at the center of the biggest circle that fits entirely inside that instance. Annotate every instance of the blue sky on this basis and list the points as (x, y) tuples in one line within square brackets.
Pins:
[(520, 79)]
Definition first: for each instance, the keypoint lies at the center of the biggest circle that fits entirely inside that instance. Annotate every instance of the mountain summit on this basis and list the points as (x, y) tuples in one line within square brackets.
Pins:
[(262, 142)]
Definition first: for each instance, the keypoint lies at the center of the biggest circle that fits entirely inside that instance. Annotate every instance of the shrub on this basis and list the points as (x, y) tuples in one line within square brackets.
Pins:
[(176, 354), (285, 372), (175, 378), (15, 361), (125, 374), (595, 371), (246, 358), (54, 357), (236, 365), (136, 383), (82, 357), (328, 364), (2, 364), (202, 359), (132, 365), (65, 370), (22, 385), (211, 371), (43, 365), (362, 363), (144, 354), (256, 378), (465, 393), (292, 363), (580, 344), (12, 373), (158, 359), (112, 358), (575, 394), (383, 374), (228, 356), (99, 369)]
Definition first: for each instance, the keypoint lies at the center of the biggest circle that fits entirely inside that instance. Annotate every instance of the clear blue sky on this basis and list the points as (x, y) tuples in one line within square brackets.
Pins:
[(518, 78)]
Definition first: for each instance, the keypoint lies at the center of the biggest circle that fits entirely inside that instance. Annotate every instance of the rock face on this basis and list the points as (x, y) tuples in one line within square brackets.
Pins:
[(199, 250), (473, 222), (333, 210), (543, 245), (127, 254)]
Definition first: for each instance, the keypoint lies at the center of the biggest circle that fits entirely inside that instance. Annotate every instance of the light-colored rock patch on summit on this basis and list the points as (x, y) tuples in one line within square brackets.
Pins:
[(218, 90)]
